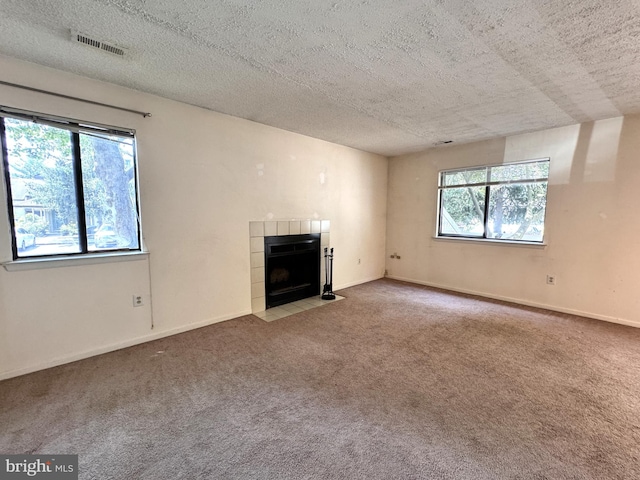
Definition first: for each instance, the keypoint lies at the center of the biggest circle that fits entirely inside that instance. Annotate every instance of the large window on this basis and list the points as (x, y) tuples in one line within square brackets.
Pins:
[(72, 187), (500, 202)]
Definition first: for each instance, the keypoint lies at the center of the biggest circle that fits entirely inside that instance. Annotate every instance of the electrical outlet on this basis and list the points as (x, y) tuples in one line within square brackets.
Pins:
[(138, 300), (551, 279), (358, 261)]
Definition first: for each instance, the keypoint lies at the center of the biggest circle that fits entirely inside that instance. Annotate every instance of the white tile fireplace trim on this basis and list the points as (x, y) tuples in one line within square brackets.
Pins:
[(270, 228)]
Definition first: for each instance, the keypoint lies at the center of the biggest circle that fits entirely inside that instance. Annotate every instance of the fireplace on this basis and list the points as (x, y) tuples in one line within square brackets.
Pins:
[(259, 230), (292, 268)]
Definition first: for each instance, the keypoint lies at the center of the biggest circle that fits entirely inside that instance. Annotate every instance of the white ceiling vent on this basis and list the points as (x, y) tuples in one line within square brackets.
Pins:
[(99, 44)]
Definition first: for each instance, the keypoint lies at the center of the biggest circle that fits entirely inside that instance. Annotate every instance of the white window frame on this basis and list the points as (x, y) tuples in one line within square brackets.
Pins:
[(84, 256), (487, 184)]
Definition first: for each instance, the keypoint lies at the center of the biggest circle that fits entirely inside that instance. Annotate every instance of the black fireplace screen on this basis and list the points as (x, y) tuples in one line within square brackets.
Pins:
[(292, 268)]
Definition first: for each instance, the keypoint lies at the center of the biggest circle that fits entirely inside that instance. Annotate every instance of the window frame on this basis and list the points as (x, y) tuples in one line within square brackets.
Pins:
[(75, 128), (487, 184)]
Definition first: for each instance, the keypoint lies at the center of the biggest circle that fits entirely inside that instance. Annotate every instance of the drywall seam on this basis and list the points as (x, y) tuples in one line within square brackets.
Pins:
[(519, 301), (118, 346)]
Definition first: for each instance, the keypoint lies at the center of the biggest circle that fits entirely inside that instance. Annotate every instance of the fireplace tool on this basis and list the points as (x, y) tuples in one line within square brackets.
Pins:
[(327, 291)]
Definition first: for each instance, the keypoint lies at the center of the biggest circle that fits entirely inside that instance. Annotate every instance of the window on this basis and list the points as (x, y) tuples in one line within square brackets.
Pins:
[(71, 186), (501, 202)]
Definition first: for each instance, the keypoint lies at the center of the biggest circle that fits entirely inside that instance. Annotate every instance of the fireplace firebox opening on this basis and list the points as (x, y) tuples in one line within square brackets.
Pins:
[(292, 268)]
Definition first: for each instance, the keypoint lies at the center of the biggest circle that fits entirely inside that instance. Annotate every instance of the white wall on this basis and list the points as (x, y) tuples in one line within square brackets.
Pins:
[(592, 227), (203, 177)]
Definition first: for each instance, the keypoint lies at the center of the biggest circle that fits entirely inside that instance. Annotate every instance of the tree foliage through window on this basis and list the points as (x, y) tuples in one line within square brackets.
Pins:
[(504, 202), (44, 163)]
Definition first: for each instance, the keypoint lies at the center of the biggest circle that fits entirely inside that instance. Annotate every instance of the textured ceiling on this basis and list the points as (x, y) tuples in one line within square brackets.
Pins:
[(383, 76)]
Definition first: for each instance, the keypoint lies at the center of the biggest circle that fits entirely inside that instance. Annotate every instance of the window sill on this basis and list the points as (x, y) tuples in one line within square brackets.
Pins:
[(72, 261), (511, 243)]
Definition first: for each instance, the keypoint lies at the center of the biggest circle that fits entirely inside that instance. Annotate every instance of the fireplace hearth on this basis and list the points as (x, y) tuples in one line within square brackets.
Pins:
[(292, 268)]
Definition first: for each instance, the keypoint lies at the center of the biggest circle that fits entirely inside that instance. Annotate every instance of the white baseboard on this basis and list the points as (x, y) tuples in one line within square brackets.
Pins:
[(192, 326), (143, 339), (119, 345), (353, 284), (521, 301)]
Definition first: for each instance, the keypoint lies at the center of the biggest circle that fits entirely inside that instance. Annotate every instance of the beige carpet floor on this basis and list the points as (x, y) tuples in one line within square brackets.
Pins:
[(397, 381)]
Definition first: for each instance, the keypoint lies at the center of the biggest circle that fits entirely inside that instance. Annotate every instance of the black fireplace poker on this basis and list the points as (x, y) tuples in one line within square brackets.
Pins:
[(327, 291)]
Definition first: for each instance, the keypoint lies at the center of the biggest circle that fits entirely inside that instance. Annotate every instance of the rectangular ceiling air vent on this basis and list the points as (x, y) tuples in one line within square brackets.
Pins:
[(92, 42)]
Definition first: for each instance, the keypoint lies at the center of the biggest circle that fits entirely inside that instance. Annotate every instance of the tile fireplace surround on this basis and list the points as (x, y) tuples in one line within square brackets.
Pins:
[(270, 228)]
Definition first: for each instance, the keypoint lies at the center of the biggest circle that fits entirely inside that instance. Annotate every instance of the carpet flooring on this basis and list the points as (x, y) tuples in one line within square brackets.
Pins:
[(397, 381)]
